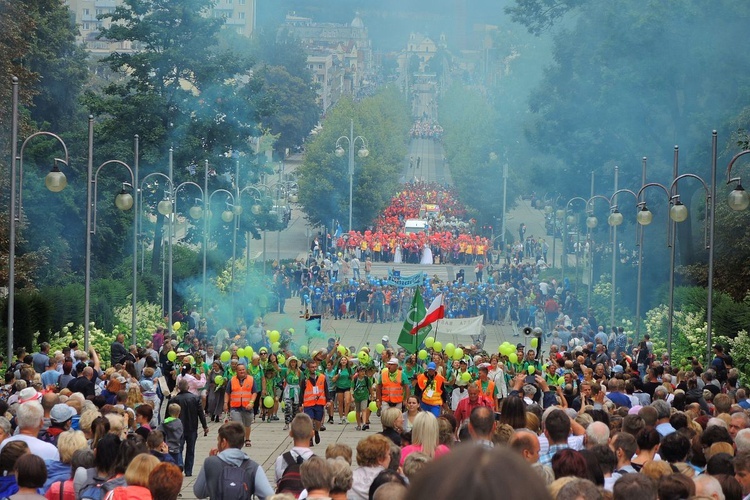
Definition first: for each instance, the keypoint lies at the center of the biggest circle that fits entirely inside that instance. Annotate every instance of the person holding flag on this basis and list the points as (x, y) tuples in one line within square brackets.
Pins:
[(418, 322)]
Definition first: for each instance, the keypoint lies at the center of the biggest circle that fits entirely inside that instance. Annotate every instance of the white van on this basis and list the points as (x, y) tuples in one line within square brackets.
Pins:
[(415, 226)]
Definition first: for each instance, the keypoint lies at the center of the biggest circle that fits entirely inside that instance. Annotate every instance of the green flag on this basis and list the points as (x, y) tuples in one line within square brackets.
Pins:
[(416, 313)]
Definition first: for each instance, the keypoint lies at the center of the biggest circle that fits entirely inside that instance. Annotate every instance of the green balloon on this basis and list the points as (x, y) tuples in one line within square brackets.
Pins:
[(429, 341), (226, 356), (219, 380), (373, 406), (466, 376), (351, 417), (437, 346), (458, 354), (241, 352), (171, 355), (422, 354), (268, 401)]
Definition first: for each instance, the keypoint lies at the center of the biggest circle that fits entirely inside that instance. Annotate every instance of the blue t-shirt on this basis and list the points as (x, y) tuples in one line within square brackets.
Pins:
[(40, 362)]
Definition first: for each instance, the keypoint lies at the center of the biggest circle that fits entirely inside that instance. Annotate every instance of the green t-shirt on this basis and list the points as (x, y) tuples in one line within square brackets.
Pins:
[(345, 379), (362, 388)]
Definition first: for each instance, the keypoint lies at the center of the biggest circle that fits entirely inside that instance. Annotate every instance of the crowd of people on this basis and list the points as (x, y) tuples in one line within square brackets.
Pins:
[(408, 204), (426, 129), (595, 415)]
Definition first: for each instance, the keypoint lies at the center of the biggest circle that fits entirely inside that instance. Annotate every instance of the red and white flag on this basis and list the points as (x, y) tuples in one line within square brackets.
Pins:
[(435, 312)]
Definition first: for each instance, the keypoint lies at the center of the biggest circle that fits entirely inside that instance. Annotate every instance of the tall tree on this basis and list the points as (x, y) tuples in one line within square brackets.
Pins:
[(286, 105), (323, 178), (178, 90)]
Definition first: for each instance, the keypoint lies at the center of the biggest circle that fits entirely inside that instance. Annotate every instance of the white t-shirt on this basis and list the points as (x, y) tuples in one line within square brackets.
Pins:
[(45, 451)]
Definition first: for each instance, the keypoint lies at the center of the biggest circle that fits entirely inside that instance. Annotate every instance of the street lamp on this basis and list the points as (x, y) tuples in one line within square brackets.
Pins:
[(678, 212), (123, 201), (196, 212), (569, 220), (166, 208), (55, 182), (363, 152)]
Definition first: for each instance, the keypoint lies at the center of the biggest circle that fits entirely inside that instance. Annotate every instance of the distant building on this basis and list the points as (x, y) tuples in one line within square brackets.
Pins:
[(239, 14), (339, 55)]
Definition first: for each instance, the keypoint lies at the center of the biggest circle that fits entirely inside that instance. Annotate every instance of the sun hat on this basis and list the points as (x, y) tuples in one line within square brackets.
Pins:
[(28, 394)]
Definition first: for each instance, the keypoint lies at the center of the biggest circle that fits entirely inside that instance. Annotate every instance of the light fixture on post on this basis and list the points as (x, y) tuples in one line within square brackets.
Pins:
[(55, 182), (591, 223), (227, 216), (363, 152), (569, 220), (615, 219), (257, 209), (678, 212), (123, 201), (165, 207)]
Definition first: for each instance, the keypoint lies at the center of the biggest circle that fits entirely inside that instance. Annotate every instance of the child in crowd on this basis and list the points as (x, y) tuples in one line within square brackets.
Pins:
[(172, 429)]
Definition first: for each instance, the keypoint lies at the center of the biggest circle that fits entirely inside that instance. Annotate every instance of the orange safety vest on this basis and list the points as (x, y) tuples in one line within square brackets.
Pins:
[(434, 399), (311, 398), (392, 390), (490, 394), (242, 394)]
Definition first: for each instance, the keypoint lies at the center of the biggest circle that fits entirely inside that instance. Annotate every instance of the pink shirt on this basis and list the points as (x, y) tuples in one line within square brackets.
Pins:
[(412, 448), (194, 384)]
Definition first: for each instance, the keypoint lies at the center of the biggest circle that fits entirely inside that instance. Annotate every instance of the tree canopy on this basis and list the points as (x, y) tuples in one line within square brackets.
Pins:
[(323, 178)]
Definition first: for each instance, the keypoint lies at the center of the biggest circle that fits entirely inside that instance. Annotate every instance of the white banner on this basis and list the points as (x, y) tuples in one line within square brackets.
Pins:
[(461, 326)]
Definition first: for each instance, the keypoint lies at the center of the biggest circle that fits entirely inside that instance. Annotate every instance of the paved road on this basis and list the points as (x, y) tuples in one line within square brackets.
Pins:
[(426, 162)]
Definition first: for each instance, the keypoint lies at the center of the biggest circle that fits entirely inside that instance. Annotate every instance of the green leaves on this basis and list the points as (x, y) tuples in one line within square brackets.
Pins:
[(323, 178)]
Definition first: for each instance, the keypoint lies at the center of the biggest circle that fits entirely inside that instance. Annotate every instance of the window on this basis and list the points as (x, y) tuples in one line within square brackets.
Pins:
[(86, 12), (86, 26), (241, 2), (241, 15)]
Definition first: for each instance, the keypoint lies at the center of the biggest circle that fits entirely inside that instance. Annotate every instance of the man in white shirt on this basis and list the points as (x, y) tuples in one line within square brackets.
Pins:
[(30, 419), (301, 433)]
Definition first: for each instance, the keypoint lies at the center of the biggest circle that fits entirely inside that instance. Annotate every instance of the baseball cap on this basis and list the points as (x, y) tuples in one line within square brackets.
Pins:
[(431, 365), (262, 349), (385, 338), (393, 361), (62, 413), (617, 369)]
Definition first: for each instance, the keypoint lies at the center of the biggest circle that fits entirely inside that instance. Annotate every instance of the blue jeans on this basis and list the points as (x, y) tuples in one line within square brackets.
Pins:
[(434, 409), (189, 439)]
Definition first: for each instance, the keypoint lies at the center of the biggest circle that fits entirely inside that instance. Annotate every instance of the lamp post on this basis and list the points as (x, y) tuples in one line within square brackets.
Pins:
[(591, 222), (55, 182), (123, 201), (196, 212), (678, 212), (569, 219), (363, 152), (615, 219), (166, 208), (228, 215)]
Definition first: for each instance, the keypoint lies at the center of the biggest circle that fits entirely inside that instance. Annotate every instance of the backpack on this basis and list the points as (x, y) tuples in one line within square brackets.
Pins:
[(235, 483), (291, 480), (92, 488)]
